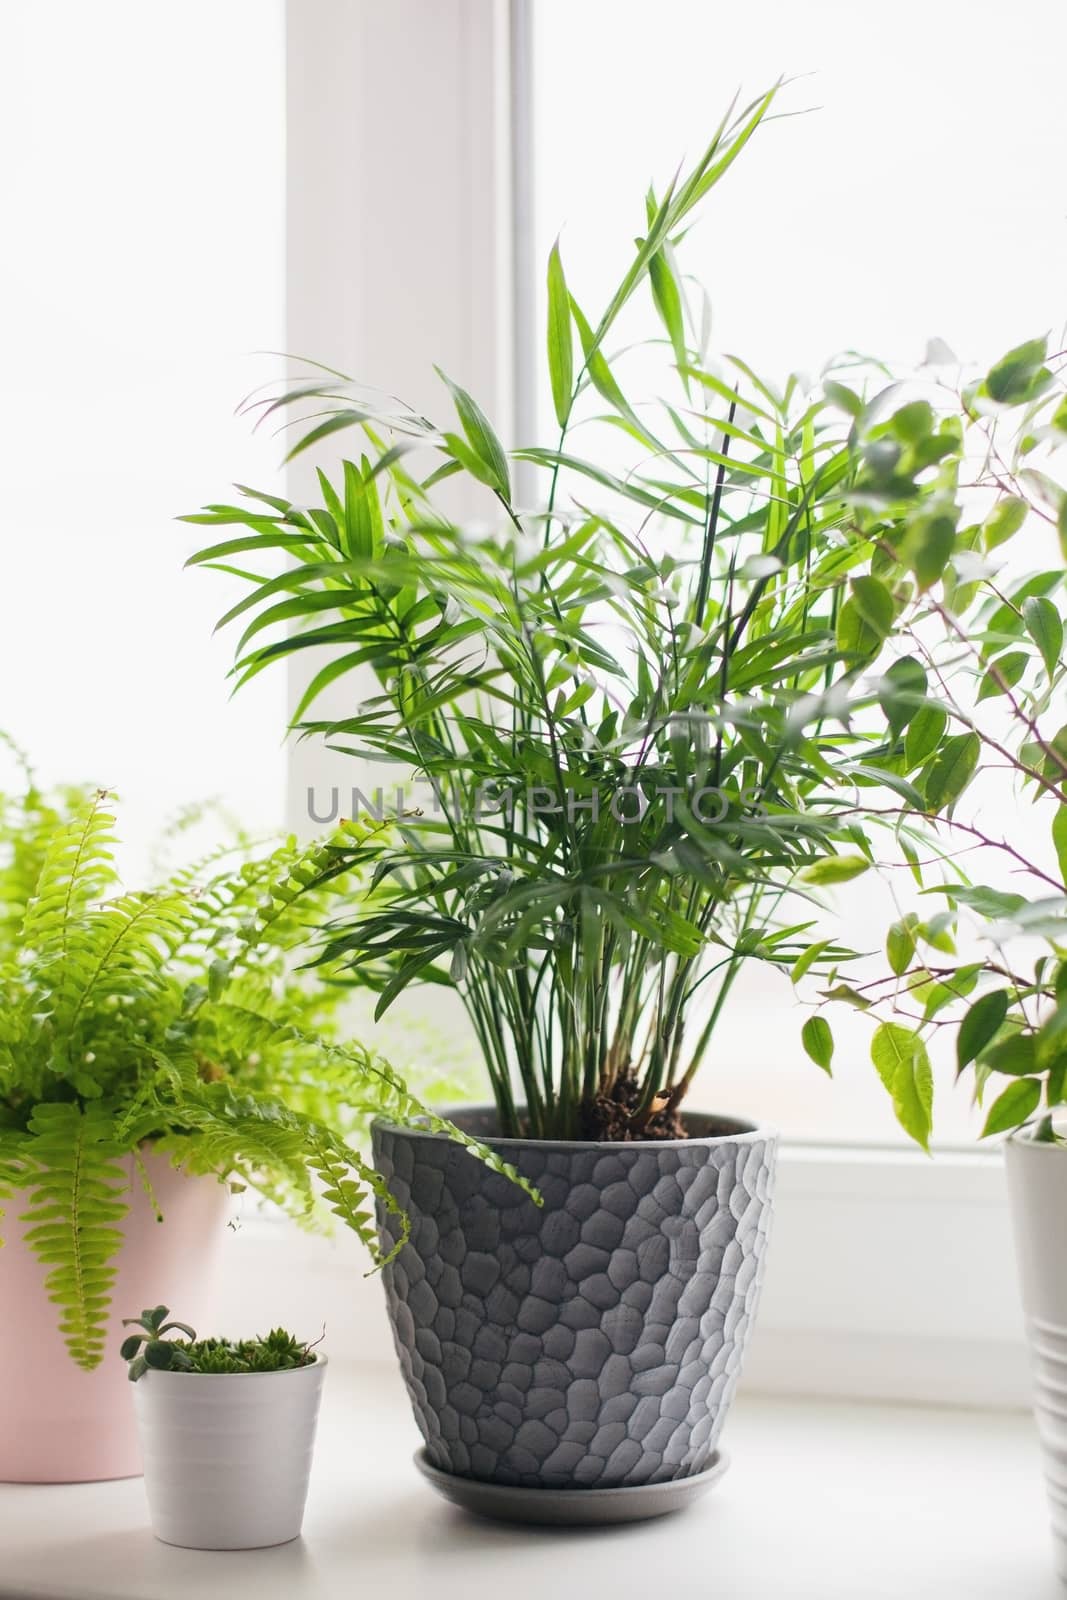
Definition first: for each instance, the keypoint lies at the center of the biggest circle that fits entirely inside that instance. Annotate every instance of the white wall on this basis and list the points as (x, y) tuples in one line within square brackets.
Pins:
[(142, 194)]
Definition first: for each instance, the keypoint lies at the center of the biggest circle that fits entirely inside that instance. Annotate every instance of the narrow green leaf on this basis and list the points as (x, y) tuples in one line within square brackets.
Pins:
[(668, 299), (807, 959), (840, 395), (560, 338), (471, 461), (596, 365), (480, 436)]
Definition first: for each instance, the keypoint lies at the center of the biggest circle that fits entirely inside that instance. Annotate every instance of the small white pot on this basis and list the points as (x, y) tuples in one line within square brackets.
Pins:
[(1037, 1185), (227, 1455)]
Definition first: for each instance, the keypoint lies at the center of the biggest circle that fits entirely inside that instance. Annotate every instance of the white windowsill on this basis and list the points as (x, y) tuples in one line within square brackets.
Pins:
[(821, 1500), (889, 1277)]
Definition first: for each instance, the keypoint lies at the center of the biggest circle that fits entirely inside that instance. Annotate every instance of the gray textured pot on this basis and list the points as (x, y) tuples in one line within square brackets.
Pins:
[(595, 1342)]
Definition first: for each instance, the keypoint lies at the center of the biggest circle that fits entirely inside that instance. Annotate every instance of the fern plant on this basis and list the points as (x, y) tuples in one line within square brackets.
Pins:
[(173, 1019)]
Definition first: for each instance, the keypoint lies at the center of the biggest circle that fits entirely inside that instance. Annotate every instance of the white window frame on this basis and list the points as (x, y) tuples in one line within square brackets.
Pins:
[(891, 1275)]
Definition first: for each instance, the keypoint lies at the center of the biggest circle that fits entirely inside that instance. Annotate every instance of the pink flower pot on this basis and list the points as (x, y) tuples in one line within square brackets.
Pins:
[(58, 1423)]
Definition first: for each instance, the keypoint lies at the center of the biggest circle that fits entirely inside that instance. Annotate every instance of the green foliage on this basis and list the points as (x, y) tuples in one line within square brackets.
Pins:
[(150, 1350), (968, 497), (175, 1020), (649, 705)]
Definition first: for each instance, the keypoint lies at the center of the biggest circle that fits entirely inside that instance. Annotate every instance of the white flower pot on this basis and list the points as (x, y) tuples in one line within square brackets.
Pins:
[(227, 1456), (1037, 1184)]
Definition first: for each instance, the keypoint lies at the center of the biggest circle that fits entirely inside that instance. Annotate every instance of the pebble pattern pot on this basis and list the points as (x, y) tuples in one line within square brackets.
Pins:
[(594, 1342), (1037, 1187)]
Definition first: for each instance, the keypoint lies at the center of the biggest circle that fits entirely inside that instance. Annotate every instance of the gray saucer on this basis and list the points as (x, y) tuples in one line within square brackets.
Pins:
[(572, 1508)]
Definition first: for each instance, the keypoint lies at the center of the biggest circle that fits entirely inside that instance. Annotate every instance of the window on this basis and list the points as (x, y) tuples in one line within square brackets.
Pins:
[(151, 252), (917, 198), (144, 267)]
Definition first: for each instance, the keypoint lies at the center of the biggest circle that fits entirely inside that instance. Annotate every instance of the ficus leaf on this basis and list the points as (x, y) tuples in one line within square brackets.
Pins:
[(1005, 519), (1011, 1109), (1004, 673), (904, 1067), (1059, 839), (855, 636), (1045, 627), (952, 771), (900, 944), (1012, 380), (925, 732), (928, 547), (979, 1026), (1015, 1056), (818, 1040), (874, 603), (835, 869), (902, 692)]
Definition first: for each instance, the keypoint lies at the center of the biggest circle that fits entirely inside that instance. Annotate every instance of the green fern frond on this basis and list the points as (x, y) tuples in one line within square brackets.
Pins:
[(174, 1020), (77, 870), (78, 1189), (239, 1135), (13, 1166), (348, 1182), (119, 949), (372, 1086), (292, 901)]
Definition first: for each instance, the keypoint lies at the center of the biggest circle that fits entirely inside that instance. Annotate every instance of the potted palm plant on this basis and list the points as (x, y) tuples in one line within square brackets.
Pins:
[(641, 715), (227, 1432), (156, 1050), (990, 962)]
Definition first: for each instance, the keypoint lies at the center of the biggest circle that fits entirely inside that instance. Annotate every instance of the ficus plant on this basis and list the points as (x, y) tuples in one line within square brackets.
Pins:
[(981, 532), (150, 1350), (649, 702), (175, 1021)]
